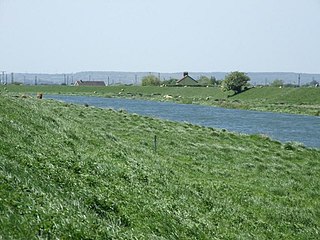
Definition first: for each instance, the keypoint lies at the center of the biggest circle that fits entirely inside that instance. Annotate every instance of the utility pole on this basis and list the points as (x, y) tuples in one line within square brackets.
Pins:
[(299, 80), (108, 80), (2, 79), (36, 80), (12, 78)]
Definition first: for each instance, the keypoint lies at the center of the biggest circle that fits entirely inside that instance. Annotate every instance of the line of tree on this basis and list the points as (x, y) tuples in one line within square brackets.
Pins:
[(152, 80), (313, 83), (281, 83), (171, 81), (234, 81)]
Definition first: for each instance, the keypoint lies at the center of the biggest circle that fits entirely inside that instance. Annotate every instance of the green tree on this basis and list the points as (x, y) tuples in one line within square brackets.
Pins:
[(150, 80), (171, 81), (215, 81), (277, 83), (235, 81), (313, 83), (205, 81)]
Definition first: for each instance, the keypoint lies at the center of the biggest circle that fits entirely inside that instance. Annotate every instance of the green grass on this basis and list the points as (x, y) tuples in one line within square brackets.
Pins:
[(76, 172), (290, 100), (284, 95), (287, 100), (128, 91)]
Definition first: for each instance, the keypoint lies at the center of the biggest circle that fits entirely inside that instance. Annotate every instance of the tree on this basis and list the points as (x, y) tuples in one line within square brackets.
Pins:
[(313, 83), (215, 81), (171, 81), (235, 81), (277, 83), (205, 81), (150, 80)]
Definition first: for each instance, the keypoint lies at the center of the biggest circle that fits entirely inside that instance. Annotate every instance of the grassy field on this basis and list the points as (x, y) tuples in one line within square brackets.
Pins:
[(288, 100), (76, 172)]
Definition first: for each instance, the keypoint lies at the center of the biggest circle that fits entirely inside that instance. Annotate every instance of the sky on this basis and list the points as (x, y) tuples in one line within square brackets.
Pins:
[(64, 36)]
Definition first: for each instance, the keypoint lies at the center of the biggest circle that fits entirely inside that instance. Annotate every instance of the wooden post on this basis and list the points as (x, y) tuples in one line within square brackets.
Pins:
[(155, 143), (39, 95)]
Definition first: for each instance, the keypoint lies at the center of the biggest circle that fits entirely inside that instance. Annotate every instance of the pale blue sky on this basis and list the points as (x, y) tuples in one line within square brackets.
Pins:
[(59, 36)]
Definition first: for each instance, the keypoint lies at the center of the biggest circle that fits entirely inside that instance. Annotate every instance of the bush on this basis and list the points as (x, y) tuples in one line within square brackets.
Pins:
[(150, 80), (277, 83), (235, 81), (171, 81)]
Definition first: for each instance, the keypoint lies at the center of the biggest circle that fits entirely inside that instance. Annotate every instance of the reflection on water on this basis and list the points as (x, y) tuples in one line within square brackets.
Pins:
[(283, 127)]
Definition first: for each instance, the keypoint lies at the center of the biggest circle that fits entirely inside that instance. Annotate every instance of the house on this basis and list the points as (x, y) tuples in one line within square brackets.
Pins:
[(90, 83), (187, 80)]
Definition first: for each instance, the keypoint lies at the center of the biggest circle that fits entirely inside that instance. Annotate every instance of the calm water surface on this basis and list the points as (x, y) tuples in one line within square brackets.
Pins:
[(282, 127)]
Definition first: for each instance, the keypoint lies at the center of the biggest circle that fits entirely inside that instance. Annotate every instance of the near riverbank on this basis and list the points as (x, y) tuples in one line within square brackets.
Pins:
[(70, 171)]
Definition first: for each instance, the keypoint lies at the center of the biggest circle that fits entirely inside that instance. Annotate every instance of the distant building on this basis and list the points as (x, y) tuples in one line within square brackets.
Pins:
[(90, 83), (187, 80)]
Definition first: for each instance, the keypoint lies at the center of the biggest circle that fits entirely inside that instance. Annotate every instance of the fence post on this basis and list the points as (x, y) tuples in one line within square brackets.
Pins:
[(155, 143)]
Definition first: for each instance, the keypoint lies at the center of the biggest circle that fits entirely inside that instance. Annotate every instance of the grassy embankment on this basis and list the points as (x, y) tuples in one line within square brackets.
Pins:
[(288, 100), (75, 172)]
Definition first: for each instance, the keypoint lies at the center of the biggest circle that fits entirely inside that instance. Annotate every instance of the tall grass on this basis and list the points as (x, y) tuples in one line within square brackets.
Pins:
[(76, 172)]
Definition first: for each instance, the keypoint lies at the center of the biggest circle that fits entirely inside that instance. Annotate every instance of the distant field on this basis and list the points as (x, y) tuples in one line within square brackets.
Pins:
[(74, 172), (289, 100)]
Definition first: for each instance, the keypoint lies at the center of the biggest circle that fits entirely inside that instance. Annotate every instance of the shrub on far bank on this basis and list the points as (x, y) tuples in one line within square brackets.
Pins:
[(150, 80), (277, 83), (235, 81)]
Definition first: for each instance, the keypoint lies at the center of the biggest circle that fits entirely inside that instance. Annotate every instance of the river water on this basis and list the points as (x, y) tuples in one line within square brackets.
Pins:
[(282, 127)]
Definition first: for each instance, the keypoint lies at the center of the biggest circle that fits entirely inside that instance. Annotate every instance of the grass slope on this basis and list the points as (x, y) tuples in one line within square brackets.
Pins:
[(288, 100), (75, 172)]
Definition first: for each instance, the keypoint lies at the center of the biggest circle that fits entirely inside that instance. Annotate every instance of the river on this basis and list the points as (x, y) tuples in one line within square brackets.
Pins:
[(278, 126)]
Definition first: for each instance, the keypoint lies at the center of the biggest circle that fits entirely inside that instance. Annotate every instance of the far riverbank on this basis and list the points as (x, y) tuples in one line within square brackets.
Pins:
[(305, 101)]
